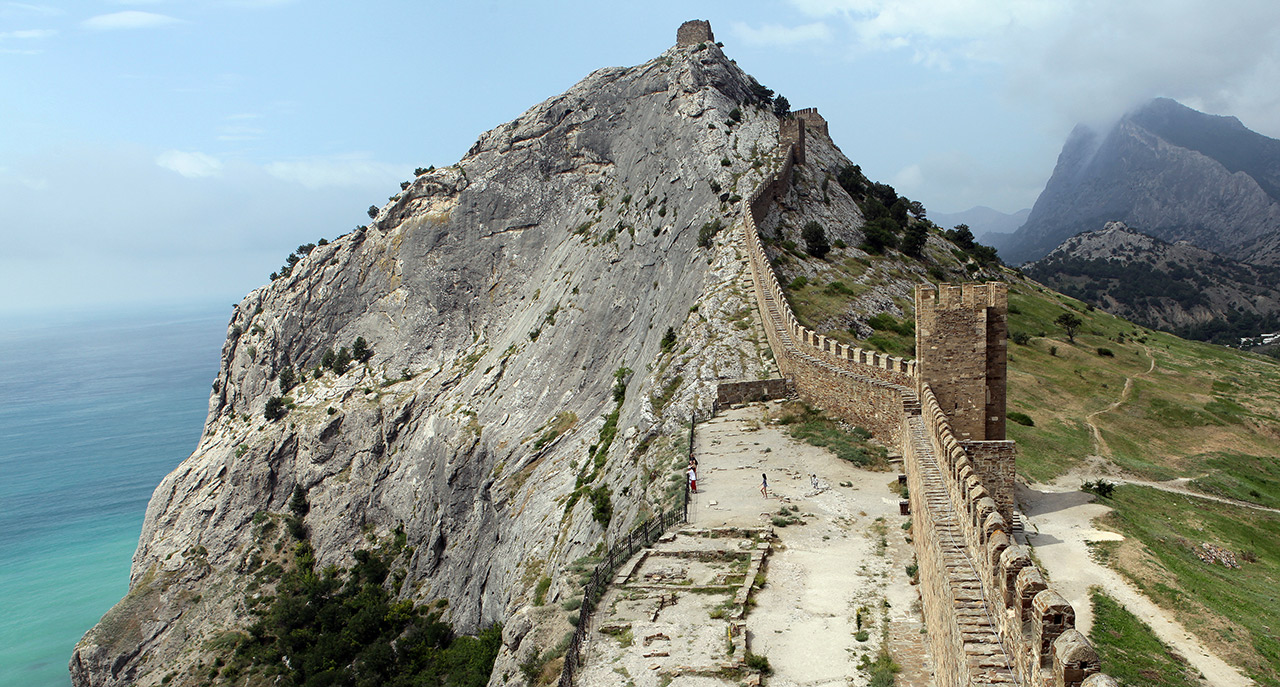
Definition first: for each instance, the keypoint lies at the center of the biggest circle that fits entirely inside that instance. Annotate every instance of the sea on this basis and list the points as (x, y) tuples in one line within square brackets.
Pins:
[(95, 409)]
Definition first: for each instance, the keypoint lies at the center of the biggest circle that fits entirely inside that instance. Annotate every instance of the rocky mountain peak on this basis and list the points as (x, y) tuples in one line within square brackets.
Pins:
[(540, 321), (1178, 173)]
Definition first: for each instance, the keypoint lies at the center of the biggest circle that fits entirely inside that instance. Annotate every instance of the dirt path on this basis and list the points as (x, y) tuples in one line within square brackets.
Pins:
[(1178, 486), (1099, 444), (1060, 526)]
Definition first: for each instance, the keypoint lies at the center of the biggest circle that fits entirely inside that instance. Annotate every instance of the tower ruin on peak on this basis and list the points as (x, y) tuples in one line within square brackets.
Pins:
[(693, 32)]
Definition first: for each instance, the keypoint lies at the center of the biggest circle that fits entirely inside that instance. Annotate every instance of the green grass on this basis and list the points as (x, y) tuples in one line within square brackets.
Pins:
[(1232, 610), (1242, 477), (1130, 651), (812, 427)]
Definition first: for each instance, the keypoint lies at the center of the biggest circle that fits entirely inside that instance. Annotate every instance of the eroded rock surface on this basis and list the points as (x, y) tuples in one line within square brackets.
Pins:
[(499, 295)]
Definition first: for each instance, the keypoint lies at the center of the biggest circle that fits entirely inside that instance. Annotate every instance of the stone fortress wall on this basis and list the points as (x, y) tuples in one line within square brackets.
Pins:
[(991, 617)]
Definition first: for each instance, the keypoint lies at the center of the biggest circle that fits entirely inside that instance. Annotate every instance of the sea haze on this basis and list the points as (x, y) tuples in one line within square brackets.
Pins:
[(94, 411)]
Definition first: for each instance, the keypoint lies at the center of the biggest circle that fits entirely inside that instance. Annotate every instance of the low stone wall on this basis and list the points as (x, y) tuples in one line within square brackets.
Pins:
[(731, 393)]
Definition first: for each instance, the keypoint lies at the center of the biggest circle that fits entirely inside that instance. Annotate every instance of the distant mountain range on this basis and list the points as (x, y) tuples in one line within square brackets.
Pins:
[(982, 220), (1175, 287), (1179, 174)]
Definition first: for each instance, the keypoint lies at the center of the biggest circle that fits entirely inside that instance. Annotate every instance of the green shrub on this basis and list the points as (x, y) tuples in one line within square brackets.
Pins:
[(288, 379), (275, 409), (602, 505), (1106, 353), (1020, 338), (815, 239), (360, 350), (708, 232), (669, 340), (1021, 418), (540, 592), (798, 283), (1101, 487), (342, 361), (759, 663)]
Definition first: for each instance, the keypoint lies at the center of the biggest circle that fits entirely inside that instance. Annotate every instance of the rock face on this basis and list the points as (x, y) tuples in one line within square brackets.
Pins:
[(1176, 287), (499, 295), (1179, 174)]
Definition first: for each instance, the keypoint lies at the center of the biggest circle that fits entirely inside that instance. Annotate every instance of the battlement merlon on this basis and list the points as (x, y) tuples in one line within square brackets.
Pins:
[(693, 32), (963, 296)]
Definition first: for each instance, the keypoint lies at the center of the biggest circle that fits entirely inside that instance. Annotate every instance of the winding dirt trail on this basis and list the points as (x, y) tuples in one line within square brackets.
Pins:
[(1099, 444)]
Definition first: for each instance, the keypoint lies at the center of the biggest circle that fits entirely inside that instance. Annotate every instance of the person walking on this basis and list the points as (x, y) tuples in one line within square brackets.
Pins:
[(764, 485), (693, 480)]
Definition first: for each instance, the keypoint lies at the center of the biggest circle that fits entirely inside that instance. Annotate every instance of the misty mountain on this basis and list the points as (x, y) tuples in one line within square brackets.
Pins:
[(982, 221), (1180, 174)]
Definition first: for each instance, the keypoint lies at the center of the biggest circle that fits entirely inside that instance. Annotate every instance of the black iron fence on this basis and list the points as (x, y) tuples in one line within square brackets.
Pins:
[(622, 551)]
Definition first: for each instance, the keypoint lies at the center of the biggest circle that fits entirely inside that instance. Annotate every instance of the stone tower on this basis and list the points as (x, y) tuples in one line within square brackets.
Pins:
[(693, 32), (961, 348), (961, 333)]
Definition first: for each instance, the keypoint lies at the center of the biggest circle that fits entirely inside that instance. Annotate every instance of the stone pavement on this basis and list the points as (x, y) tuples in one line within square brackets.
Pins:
[(832, 583)]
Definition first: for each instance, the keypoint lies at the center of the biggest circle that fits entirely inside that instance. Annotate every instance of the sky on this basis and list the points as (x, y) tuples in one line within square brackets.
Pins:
[(175, 151)]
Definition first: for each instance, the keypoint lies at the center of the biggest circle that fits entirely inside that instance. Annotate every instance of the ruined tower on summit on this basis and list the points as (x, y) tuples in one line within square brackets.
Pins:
[(693, 32)]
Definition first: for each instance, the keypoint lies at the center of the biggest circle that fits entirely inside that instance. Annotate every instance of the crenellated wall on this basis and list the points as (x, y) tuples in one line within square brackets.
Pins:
[(864, 387), (991, 617)]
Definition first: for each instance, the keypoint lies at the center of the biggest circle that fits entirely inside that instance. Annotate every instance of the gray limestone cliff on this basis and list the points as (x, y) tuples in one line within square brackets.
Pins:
[(500, 295), (1179, 174)]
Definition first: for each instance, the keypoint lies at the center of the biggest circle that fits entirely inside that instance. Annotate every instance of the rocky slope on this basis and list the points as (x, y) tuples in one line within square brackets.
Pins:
[(1179, 174), (500, 295), (1176, 287)]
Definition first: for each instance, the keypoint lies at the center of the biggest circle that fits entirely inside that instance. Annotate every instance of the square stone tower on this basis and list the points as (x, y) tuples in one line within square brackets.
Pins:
[(693, 32), (961, 345)]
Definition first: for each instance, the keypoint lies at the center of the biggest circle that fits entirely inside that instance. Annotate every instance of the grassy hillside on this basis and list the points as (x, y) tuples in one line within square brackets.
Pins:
[(1163, 407), (1229, 600), (1156, 407)]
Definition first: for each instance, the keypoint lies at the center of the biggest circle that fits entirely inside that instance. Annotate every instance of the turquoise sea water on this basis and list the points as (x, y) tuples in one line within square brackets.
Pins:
[(93, 413)]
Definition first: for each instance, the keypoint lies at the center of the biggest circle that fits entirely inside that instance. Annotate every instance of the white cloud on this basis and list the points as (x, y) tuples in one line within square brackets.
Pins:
[(1085, 60), (28, 34), (337, 171), (190, 165), (129, 19), (782, 36), (22, 8), (240, 133), (908, 179)]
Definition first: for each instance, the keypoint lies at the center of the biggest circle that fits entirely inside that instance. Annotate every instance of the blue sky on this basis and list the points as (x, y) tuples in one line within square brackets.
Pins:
[(167, 151)]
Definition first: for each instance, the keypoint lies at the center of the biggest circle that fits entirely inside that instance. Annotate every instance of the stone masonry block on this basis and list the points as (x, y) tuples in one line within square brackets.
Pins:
[(1012, 561), (1030, 583), (1074, 659), (1051, 615)]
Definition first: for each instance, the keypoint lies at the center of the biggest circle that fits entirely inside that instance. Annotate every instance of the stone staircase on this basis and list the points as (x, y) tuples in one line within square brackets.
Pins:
[(984, 653), (910, 403)]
